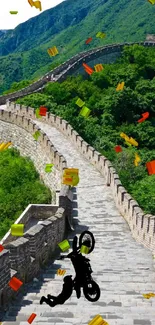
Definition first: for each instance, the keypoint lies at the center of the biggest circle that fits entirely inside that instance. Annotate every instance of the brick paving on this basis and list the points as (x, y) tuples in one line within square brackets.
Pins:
[(122, 267)]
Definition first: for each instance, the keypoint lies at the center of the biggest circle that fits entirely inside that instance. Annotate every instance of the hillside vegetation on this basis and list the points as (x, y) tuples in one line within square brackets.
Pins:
[(19, 186), (113, 112), (23, 51)]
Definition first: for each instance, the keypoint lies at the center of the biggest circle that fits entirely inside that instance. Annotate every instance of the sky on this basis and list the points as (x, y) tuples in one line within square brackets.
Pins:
[(25, 11)]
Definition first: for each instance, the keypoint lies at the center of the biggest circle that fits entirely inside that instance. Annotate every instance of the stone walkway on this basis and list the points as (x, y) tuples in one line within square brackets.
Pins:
[(122, 268)]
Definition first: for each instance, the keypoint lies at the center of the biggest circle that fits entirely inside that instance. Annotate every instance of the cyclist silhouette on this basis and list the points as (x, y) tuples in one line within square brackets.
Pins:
[(63, 296), (81, 269), (79, 262)]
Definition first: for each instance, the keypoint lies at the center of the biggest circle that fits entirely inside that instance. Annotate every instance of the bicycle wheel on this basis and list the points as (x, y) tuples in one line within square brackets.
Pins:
[(91, 291), (87, 239)]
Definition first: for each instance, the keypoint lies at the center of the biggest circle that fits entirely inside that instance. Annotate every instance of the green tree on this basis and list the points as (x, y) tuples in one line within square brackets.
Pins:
[(19, 186), (144, 193)]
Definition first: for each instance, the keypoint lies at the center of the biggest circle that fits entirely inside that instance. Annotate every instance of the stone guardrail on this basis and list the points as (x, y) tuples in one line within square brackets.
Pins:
[(32, 214), (96, 54), (42, 81), (23, 257), (68, 67), (142, 225), (150, 37)]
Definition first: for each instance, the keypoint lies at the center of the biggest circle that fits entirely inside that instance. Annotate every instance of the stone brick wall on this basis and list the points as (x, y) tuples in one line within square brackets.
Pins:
[(25, 256), (33, 214), (142, 225), (150, 37), (62, 71), (39, 154), (109, 52)]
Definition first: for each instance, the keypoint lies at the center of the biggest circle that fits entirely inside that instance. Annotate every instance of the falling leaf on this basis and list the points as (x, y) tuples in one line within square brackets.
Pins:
[(52, 51)]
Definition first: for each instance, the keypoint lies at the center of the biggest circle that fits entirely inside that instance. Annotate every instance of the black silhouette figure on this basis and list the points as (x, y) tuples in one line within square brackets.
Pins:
[(83, 276), (83, 269), (79, 262), (63, 296)]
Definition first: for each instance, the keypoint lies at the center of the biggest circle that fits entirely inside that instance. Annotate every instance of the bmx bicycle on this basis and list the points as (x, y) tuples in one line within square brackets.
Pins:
[(83, 278)]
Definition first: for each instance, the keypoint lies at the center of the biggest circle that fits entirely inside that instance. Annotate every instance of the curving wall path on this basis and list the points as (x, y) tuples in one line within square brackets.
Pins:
[(71, 66), (122, 267)]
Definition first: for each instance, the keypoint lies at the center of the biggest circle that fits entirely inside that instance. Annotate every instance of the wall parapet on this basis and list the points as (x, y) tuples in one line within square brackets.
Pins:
[(33, 214), (26, 256), (44, 225), (60, 72), (142, 225)]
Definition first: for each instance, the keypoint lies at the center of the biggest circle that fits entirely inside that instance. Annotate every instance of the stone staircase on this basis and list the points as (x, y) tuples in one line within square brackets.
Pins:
[(122, 268)]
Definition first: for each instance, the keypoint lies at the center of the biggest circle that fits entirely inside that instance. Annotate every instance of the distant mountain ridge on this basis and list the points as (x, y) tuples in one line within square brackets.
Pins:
[(23, 51), (3, 31)]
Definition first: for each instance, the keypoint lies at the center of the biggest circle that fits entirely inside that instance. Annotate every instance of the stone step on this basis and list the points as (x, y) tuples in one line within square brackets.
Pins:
[(111, 307)]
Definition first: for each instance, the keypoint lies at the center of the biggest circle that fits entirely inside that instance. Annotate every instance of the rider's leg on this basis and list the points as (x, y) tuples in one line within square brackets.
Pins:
[(78, 291), (77, 287), (43, 299), (48, 301), (51, 297)]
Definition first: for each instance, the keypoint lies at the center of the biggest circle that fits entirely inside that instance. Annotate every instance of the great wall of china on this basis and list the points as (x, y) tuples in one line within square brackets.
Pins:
[(25, 257)]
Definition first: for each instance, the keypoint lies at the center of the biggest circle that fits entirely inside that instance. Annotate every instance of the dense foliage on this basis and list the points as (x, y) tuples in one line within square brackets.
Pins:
[(17, 86), (113, 112), (19, 186), (23, 51)]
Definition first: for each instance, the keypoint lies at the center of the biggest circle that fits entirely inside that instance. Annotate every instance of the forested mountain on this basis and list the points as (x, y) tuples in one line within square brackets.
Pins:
[(24, 50), (3, 31), (111, 113)]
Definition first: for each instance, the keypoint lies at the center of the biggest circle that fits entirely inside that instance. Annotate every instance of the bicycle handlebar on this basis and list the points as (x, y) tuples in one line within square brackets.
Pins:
[(71, 253)]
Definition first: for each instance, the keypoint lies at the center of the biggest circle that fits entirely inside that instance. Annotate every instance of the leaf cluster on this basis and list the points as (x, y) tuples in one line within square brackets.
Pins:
[(19, 186)]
